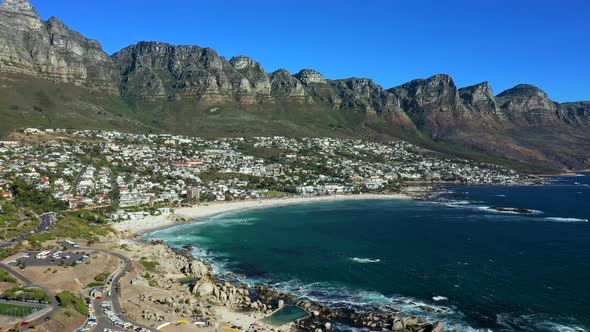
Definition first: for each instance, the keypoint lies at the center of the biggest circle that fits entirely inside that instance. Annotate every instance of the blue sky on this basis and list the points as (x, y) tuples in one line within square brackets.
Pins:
[(505, 42)]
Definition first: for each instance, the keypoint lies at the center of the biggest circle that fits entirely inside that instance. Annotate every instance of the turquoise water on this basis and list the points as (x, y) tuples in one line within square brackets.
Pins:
[(285, 315), (490, 270)]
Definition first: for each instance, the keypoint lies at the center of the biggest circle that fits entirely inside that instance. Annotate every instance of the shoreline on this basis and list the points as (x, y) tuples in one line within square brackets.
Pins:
[(195, 213), (319, 314)]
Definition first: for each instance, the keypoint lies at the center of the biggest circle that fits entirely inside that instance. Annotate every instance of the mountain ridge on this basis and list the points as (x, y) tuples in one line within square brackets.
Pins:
[(192, 89)]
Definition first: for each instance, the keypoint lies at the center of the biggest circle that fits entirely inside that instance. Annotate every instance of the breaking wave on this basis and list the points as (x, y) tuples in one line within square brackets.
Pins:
[(560, 219), (365, 260)]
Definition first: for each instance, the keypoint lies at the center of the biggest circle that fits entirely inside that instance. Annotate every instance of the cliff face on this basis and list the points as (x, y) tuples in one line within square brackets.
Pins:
[(521, 123), (52, 51)]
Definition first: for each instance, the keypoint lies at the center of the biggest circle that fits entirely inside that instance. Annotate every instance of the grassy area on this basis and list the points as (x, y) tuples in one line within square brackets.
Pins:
[(6, 277), (68, 299), (95, 284), (70, 226), (99, 280), (9, 309), (102, 277), (22, 293), (148, 265), (11, 221), (39, 103)]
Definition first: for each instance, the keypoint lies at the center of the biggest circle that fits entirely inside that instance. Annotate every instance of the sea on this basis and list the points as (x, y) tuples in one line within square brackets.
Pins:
[(486, 270)]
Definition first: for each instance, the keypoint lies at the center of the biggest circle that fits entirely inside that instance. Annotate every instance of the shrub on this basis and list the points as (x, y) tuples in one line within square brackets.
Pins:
[(68, 299)]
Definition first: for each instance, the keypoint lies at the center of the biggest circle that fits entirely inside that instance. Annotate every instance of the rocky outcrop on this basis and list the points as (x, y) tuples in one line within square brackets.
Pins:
[(310, 76), (152, 70), (529, 103), (433, 104), (575, 112), (285, 85), (480, 98), (254, 82), (50, 50)]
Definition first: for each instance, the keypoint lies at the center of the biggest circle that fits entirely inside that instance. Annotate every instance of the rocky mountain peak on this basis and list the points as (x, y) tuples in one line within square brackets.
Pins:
[(285, 84), (243, 62), (528, 99), (439, 89), (23, 7), (310, 76), (52, 51), (479, 97), (524, 90), (477, 92)]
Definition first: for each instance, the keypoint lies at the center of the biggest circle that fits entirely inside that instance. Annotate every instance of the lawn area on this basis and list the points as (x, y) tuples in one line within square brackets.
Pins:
[(22, 293), (6, 277), (9, 309), (68, 299)]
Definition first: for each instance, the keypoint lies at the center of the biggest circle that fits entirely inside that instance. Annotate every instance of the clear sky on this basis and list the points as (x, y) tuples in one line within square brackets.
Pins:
[(505, 42)]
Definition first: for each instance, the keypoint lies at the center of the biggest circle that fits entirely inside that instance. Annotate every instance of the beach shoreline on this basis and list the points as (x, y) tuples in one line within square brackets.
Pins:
[(195, 213)]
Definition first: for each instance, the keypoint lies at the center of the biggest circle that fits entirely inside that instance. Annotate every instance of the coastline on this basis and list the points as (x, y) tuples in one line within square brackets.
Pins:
[(231, 315), (201, 211)]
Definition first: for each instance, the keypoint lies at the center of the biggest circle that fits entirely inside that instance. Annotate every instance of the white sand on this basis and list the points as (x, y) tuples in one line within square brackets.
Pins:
[(204, 210)]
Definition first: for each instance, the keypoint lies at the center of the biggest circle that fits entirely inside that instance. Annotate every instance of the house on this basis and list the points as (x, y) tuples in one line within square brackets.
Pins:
[(33, 131), (5, 194), (193, 193)]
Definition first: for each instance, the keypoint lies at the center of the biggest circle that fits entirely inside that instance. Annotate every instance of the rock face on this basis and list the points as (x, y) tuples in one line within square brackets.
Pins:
[(51, 50), (480, 98), (310, 76), (433, 104)]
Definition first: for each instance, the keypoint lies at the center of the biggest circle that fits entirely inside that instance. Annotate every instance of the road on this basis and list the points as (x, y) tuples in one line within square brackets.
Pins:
[(43, 227), (102, 320), (111, 286), (74, 190), (28, 283)]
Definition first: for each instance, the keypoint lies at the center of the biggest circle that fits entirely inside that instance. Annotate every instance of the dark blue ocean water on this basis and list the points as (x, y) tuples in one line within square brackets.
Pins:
[(490, 270)]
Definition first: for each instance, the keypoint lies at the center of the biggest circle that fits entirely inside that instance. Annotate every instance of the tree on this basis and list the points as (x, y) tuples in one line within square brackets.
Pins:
[(21, 264)]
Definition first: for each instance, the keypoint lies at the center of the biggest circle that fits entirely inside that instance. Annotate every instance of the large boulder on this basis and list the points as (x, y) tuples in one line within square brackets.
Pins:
[(438, 327), (409, 321), (397, 326), (203, 289), (198, 269)]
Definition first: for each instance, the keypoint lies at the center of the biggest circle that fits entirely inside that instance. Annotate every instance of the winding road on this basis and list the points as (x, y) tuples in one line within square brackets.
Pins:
[(111, 286), (28, 283), (102, 320)]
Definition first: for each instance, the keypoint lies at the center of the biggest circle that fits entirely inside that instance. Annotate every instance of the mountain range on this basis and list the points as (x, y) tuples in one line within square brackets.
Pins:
[(52, 76)]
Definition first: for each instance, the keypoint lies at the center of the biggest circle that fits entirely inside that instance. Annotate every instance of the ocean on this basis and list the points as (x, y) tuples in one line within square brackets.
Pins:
[(488, 270)]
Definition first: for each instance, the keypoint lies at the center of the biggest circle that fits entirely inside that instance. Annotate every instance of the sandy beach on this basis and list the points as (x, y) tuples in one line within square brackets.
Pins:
[(204, 210)]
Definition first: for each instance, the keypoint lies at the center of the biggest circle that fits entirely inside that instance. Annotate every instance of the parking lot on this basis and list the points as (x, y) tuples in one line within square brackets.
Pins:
[(51, 258)]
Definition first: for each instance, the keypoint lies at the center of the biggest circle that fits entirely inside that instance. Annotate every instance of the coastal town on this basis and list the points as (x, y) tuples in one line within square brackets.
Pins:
[(69, 198), (102, 168)]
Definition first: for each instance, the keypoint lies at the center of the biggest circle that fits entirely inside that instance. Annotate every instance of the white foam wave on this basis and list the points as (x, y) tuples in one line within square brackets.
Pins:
[(365, 260), (537, 322), (492, 209), (339, 297), (561, 219), (440, 298), (459, 202), (234, 221)]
